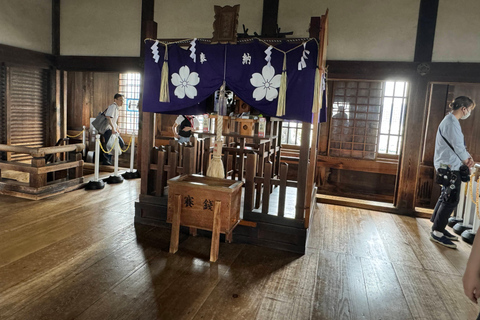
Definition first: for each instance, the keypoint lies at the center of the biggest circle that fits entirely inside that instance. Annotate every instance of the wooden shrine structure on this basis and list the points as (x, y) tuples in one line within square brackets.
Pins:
[(275, 211)]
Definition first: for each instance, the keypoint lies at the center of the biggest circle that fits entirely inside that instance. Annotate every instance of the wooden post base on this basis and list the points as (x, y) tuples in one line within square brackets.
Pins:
[(217, 221), (176, 224)]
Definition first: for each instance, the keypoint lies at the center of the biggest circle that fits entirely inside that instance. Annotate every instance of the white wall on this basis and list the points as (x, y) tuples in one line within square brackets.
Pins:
[(194, 19), (457, 36), (26, 24), (375, 30), (358, 30), (100, 27)]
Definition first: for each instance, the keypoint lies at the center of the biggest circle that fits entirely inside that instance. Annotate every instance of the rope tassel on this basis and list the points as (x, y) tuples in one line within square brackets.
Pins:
[(164, 92), (282, 94)]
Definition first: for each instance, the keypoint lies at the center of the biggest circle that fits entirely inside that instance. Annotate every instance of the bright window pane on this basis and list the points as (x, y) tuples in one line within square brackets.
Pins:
[(399, 89), (392, 145), (387, 111), (292, 132), (284, 135), (382, 144), (396, 116), (389, 88), (129, 87), (394, 106), (291, 137)]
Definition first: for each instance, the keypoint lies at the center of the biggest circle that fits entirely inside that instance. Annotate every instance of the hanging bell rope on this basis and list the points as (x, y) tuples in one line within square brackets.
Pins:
[(215, 167), (282, 94)]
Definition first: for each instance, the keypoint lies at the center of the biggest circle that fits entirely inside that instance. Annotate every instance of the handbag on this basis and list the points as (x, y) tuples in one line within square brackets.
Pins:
[(114, 138), (100, 123)]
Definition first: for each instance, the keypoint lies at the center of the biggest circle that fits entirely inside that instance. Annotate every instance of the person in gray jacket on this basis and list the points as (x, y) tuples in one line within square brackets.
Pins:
[(452, 156)]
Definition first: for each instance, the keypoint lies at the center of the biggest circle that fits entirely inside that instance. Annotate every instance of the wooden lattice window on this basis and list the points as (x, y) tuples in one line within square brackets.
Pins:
[(367, 118), (355, 123), (129, 86)]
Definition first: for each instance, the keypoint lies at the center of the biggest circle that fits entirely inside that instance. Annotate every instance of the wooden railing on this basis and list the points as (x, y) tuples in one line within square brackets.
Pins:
[(40, 172), (179, 158), (258, 187)]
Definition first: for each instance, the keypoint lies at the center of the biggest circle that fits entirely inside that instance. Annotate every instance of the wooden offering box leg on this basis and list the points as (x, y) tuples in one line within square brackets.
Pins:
[(229, 237), (217, 220), (176, 224)]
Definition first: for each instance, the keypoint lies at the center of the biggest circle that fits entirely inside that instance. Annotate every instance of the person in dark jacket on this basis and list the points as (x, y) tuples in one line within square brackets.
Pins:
[(183, 127)]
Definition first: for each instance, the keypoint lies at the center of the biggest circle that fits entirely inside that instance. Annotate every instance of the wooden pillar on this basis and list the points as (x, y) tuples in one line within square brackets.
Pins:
[(266, 187), (322, 53), (56, 27), (148, 30), (302, 171), (410, 157), (217, 223), (160, 180), (283, 172), (56, 114), (427, 21), (78, 171), (189, 160), (8, 113), (62, 111), (38, 180), (146, 132), (250, 181), (174, 236)]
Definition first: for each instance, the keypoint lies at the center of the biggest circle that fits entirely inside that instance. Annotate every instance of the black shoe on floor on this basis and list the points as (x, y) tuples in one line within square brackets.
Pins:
[(443, 241), (450, 236)]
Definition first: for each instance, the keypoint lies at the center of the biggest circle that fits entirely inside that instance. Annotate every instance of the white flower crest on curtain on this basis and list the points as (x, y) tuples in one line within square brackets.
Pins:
[(185, 83), (266, 83)]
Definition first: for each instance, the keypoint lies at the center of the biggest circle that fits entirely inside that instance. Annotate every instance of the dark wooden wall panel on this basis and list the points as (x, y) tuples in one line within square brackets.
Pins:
[(74, 100), (436, 113), (105, 87), (470, 127), (89, 93), (29, 100)]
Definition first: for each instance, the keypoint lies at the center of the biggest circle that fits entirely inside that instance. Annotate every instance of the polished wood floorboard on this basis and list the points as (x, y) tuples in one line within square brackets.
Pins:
[(80, 256)]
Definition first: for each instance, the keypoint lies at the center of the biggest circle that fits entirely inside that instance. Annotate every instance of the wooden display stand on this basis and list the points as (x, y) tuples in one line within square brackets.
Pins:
[(246, 127), (206, 203)]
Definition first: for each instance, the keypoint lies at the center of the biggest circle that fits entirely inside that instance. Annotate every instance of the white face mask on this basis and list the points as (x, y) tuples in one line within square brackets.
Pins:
[(466, 116)]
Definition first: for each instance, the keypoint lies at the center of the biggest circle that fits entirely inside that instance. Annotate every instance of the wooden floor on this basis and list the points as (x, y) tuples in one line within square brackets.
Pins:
[(79, 256)]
